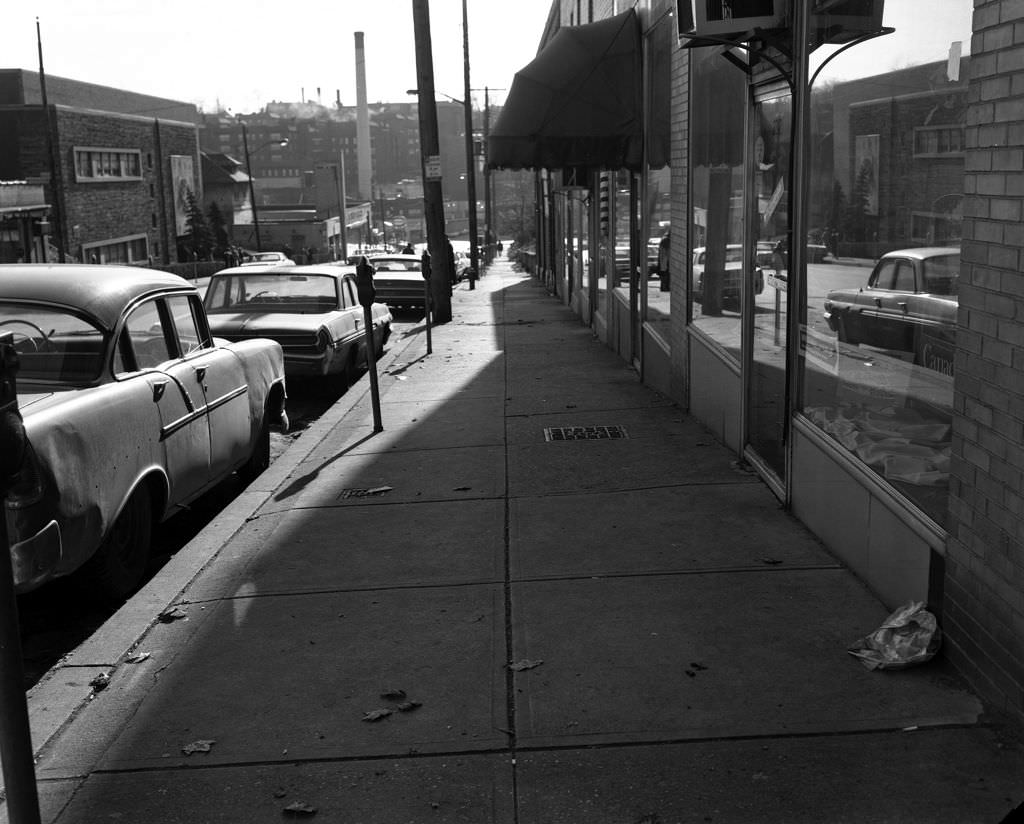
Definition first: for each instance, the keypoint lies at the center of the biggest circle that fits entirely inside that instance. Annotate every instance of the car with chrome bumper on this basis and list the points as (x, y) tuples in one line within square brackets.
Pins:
[(312, 311), (131, 409), (909, 304)]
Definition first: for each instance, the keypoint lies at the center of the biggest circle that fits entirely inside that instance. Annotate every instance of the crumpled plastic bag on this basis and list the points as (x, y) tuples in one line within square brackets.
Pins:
[(909, 636)]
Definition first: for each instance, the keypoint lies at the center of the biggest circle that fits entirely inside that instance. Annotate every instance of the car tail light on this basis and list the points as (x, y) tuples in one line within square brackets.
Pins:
[(323, 340), (27, 488)]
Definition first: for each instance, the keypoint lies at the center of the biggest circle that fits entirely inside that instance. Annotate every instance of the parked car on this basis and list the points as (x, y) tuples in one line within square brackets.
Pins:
[(312, 311), (268, 258), (909, 304), (132, 410), (731, 278), (399, 280)]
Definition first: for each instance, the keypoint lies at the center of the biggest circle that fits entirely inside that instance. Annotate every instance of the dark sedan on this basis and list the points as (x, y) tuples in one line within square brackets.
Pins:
[(909, 305)]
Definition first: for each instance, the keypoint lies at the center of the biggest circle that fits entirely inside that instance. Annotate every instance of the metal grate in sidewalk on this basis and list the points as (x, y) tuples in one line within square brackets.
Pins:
[(584, 433)]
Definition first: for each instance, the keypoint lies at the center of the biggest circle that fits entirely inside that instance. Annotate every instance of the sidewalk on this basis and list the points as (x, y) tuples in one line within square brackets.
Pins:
[(677, 641)]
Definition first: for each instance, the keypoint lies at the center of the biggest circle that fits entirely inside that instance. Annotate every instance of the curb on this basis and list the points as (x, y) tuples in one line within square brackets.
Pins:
[(55, 700)]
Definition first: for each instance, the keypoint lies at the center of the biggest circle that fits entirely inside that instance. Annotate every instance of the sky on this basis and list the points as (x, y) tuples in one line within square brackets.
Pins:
[(237, 56)]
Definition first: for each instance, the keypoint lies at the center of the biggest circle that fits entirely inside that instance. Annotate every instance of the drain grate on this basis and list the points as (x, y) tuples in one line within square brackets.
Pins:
[(363, 493), (584, 433)]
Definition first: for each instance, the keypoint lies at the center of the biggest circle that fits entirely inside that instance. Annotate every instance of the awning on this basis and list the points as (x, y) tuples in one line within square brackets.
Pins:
[(579, 103)]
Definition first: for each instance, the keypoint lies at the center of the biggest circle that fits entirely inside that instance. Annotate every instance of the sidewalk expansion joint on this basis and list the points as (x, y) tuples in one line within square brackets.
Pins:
[(668, 573)]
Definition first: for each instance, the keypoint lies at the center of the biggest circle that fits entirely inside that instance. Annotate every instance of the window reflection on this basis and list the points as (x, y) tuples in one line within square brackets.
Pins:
[(718, 103), (883, 264)]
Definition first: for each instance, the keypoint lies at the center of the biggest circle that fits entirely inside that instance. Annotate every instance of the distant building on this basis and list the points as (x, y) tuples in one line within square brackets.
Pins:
[(120, 168)]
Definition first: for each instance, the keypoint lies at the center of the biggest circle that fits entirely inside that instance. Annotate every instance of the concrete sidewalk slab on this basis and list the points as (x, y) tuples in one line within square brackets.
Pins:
[(567, 467), (685, 529), (717, 655), (325, 659), (455, 473), (920, 777), (455, 542), (441, 790)]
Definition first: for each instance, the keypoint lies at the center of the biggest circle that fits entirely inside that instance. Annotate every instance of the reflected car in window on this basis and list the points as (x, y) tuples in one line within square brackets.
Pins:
[(398, 280), (732, 275), (909, 304), (132, 410), (312, 311)]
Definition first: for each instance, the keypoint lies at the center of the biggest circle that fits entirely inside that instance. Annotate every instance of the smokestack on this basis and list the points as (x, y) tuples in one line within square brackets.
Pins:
[(362, 122)]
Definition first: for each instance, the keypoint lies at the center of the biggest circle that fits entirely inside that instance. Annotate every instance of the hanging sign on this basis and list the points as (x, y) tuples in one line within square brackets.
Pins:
[(433, 167)]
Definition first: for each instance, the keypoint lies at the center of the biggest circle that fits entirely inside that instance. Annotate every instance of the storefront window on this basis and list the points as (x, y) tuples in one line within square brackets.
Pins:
[(716, 265), (659, 44), (885, 212)]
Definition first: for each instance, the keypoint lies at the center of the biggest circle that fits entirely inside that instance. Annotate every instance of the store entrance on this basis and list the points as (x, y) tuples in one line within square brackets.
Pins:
[(767, 338)]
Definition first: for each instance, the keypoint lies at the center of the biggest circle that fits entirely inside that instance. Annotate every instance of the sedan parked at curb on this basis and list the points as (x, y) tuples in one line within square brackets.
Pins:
[(132, 410), (398, 280), (909, 305), (312, 311)]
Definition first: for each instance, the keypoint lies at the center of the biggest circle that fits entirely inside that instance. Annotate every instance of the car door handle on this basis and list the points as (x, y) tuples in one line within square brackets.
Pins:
[(878, 302), (159, 387), (903, 305), (200, 373)]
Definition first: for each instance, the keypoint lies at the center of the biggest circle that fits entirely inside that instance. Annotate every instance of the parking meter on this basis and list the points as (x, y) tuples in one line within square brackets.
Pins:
[(365, 290), (367, 294), (425, 271), (12, 429), (16, 752)]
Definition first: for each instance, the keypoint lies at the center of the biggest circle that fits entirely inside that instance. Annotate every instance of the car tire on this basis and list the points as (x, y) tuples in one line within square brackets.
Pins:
[(259, 460), (117, 568)]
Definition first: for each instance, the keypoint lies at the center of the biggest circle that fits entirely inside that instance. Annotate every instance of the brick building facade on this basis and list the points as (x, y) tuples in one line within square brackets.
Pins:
[(120, 173)]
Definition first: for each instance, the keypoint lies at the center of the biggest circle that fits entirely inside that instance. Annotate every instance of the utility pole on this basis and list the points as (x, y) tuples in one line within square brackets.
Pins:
[(474, 250), (488, 225), (433, 196), (56, 189), (252, 190)]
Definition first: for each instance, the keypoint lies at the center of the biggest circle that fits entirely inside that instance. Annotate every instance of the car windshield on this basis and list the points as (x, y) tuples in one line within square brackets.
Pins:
[(264, 257), (271, 292), (53, 345), (395, 265), (941, 274)]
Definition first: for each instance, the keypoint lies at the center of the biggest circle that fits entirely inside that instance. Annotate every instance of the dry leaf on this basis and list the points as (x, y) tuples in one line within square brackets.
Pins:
[(138, 657), (377, 715), (203, 745), (393, 695), (525, 664), (408, 706), (100, 682), (300, 808), (172, 614)]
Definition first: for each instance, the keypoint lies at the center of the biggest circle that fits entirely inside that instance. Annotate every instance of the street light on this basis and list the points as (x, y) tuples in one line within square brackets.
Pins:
[(248, 170)]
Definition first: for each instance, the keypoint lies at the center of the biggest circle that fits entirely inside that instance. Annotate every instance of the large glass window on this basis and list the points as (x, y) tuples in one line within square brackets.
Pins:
[(887, 167), (716, 265), (659, 44)]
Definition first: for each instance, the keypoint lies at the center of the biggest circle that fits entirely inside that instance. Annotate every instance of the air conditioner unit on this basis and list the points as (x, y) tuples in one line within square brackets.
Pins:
[(728, 19), (840, 21)]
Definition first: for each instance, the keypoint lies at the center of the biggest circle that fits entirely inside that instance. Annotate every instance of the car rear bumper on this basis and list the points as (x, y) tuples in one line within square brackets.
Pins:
[(35, 559)]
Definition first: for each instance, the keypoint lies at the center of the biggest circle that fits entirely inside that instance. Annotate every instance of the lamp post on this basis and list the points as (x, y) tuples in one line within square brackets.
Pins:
[(248, 171)]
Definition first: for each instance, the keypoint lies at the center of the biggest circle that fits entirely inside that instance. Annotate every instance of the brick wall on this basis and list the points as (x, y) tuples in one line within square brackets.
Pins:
[(100, 211), (983, 610)]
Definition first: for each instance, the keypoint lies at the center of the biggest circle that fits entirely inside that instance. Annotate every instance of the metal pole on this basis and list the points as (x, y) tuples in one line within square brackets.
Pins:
[(15, 734), (433, 196), (56, 192), (489, 239), (252, 190), (467, 105), (344, 206)]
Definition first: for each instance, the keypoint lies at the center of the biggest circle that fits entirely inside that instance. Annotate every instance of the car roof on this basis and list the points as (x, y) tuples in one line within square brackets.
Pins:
[(102, 291), (922, 252)]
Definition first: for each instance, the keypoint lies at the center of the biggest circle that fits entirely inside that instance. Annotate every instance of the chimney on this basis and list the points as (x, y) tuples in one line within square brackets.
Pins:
[(362, 122)]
